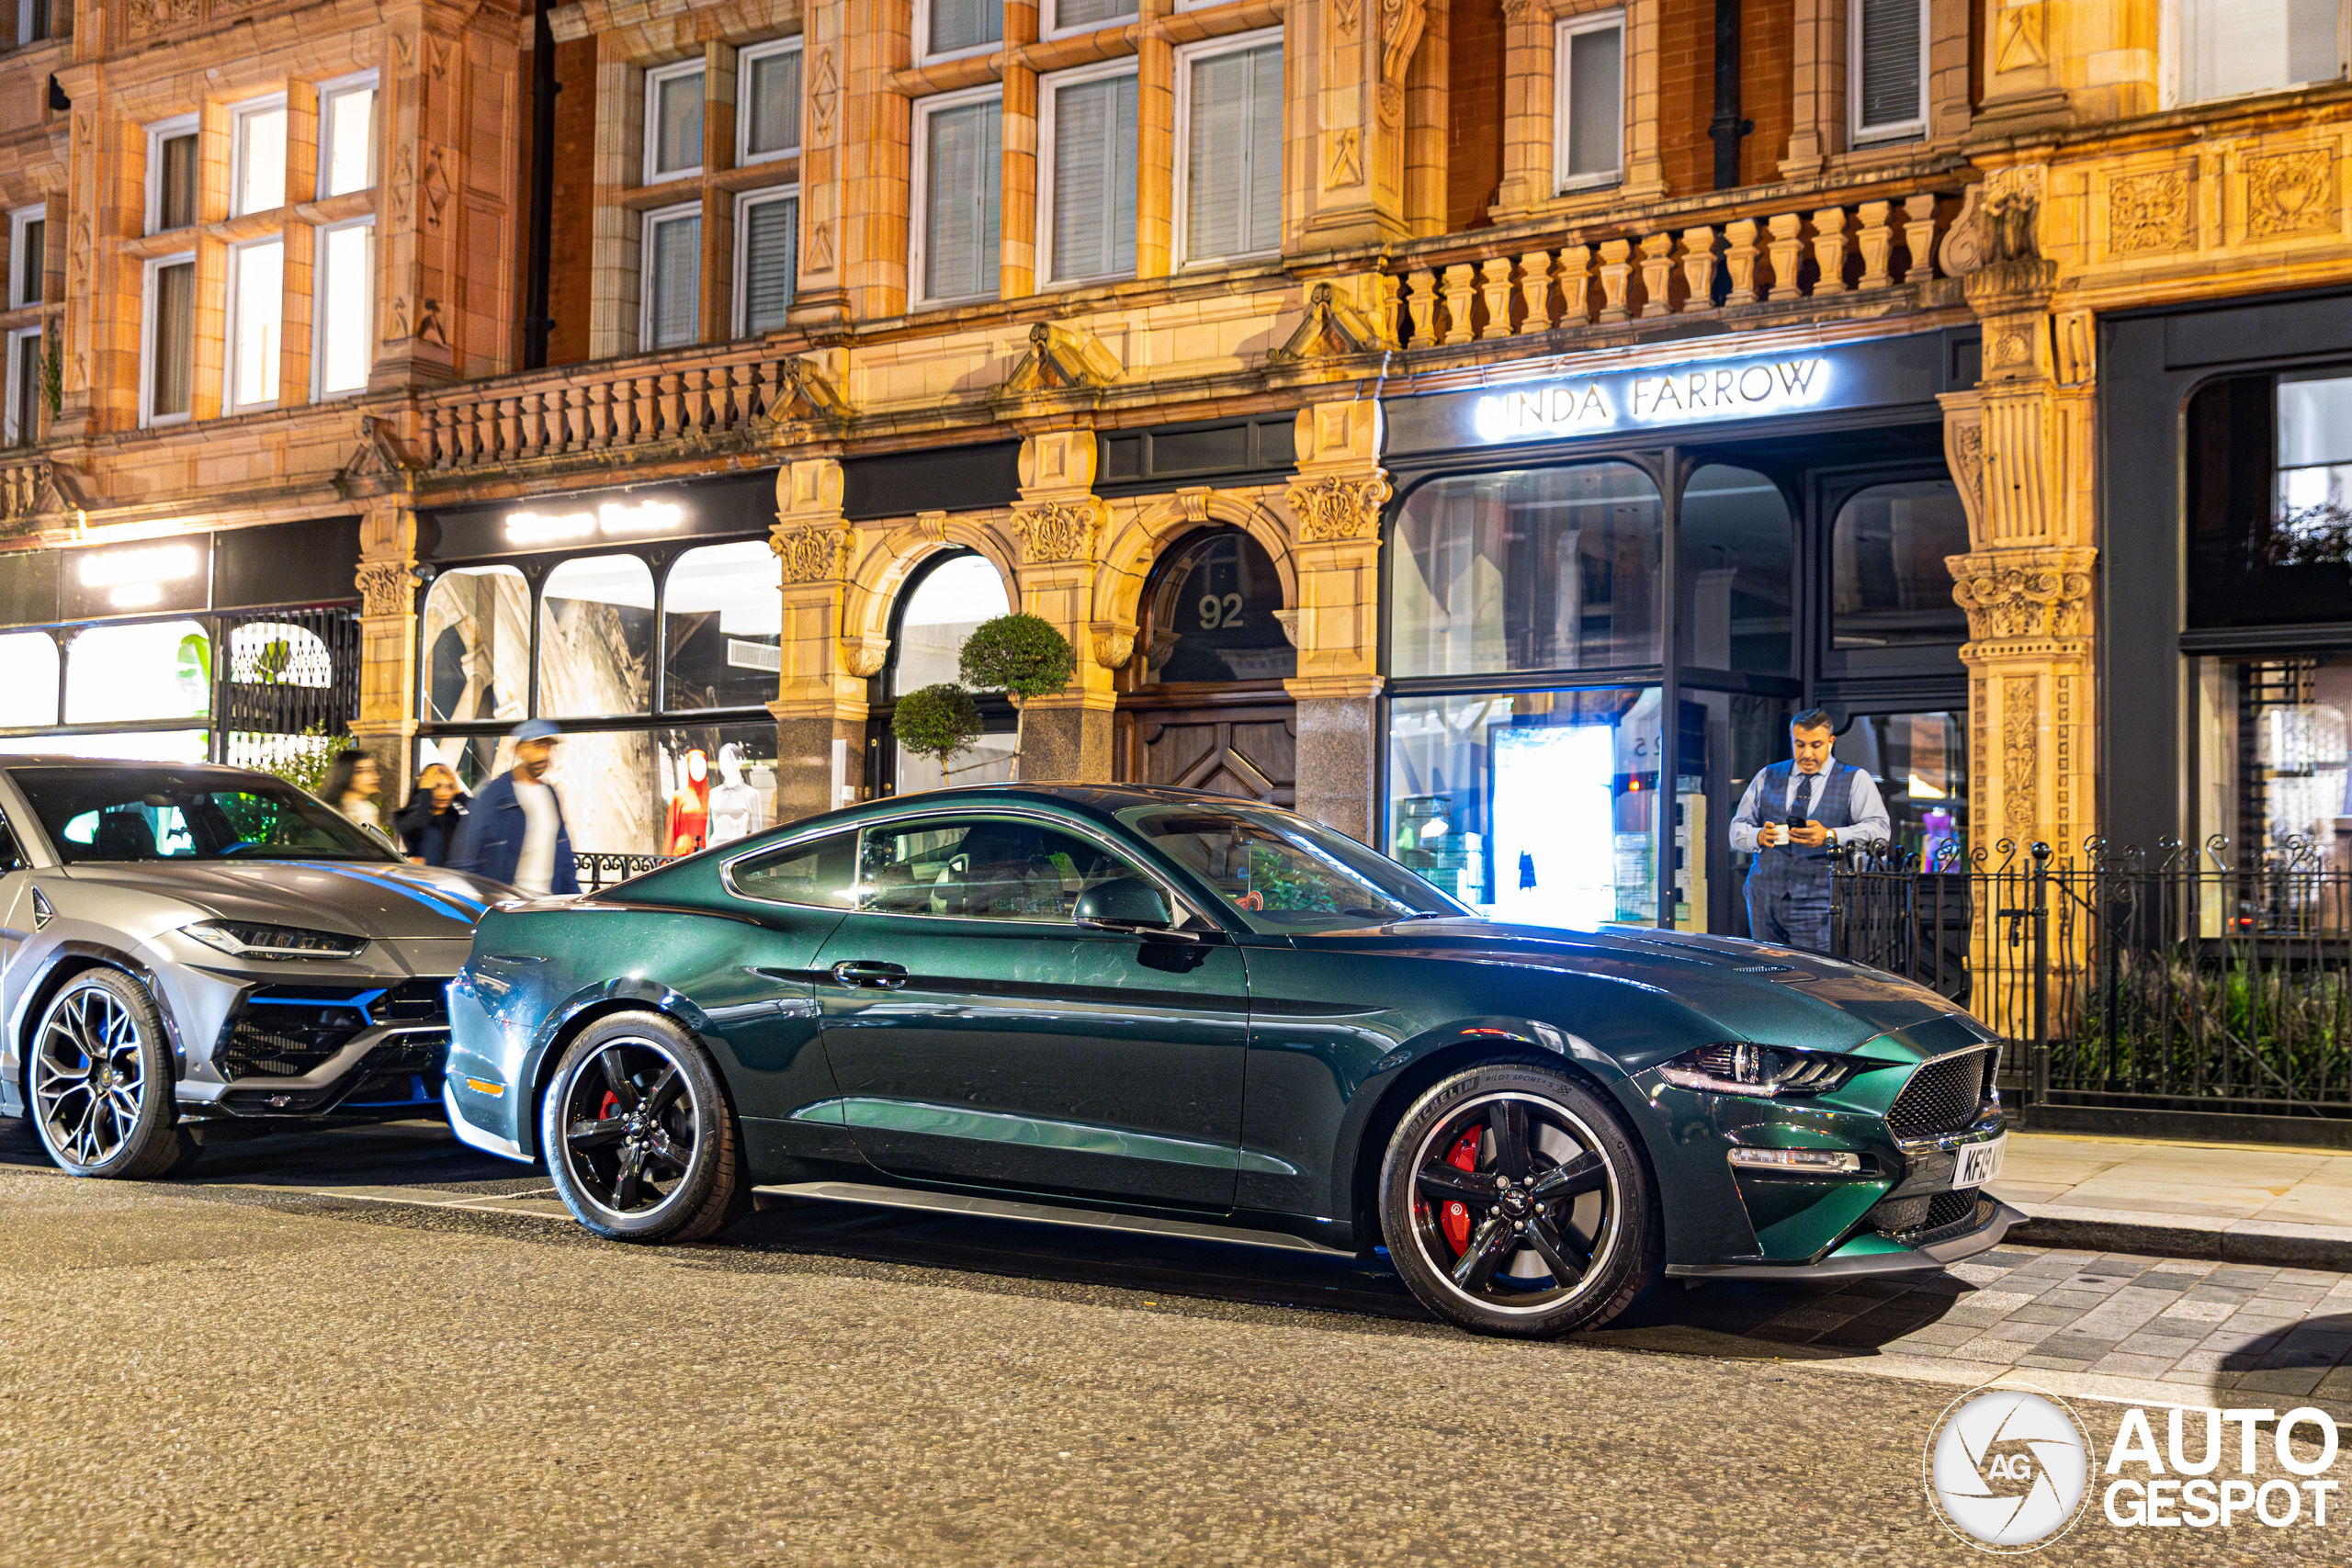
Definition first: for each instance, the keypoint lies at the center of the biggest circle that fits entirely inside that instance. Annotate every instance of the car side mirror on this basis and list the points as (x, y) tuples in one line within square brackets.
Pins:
[(1128, 903)]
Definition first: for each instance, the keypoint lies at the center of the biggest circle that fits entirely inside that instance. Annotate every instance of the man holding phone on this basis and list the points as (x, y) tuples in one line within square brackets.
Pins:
[(1794, 819)]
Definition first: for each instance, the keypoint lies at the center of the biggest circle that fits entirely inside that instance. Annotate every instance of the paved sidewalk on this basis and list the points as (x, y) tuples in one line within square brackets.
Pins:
[(2238, 1203)]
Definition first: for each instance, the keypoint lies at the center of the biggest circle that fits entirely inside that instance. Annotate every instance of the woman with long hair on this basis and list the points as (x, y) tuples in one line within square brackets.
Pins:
[(434, 815), (351, 784)]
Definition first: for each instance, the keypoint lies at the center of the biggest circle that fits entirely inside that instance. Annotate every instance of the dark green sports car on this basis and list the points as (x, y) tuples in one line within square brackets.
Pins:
[(1150, 1009)]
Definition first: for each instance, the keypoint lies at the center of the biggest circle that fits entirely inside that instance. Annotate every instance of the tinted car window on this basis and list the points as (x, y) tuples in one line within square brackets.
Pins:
[(130, 812), (823, 873), (986, 868), (1282, 874)]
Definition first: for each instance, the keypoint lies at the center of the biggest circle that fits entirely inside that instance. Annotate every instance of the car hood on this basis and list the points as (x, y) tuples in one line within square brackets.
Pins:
[(1755, 990), (381, 902)]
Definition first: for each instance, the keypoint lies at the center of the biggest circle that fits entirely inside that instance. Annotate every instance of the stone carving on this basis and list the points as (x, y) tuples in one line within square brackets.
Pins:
[(1518, 10), (2151, 212), (1057, 530), (154, 16), (1113, 646), (803, 393), (824, 94), (2290, 193), (387, 589), (1401, 22), (2021, 739), (2023, 595), (77, 259), (1344, 165), (434, 186), (1066, 358), (2018, 37), (1194, 504), (820, 247), (1333, 507), (403, 186), (1965, 445), (428, 323), (1962, 250), (1332, 329), (379, 456), (809, 555), (1345, 14), (865, 656)]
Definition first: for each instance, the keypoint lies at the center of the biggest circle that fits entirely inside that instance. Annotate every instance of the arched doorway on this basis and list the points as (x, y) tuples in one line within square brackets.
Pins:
[(1202, 704), (942, 600)]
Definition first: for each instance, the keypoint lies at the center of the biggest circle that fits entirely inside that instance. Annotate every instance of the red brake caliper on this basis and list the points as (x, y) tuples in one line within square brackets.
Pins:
[(1456, 1219)]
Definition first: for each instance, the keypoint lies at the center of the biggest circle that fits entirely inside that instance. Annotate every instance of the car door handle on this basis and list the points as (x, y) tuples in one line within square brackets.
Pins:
[(888, 976)]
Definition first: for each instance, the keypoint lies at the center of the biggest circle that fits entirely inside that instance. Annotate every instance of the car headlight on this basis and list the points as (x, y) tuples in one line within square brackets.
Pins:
[(1764, 1070), (244, 939)]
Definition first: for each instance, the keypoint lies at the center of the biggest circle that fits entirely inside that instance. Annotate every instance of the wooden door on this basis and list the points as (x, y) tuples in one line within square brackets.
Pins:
[(1250, 751)]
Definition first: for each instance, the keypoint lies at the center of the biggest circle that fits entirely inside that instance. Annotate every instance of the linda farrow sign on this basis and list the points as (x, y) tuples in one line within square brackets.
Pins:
[(1697, 392)]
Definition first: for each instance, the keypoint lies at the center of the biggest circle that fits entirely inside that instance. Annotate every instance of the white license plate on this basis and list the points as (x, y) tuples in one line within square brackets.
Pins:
[(1979, 1163)]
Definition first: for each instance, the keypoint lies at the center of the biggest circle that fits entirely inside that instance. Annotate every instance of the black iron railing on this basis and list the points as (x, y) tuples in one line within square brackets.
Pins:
[(598, 872), (2178, 980)]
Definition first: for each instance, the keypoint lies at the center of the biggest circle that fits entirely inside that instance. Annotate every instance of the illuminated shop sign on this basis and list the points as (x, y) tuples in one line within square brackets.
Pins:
[(613, 520), (134, 579), (1681, 394)]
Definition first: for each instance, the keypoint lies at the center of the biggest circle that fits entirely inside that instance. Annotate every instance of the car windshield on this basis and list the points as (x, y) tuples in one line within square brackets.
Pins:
[(1285, 873), (135, 813)]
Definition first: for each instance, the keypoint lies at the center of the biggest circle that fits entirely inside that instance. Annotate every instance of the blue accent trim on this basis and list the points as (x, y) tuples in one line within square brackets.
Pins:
[(439, 902), (363, 1002)]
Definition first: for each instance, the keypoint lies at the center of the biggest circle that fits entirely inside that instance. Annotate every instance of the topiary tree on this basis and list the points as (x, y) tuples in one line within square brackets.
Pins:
[(1022, 656), (937, 721)]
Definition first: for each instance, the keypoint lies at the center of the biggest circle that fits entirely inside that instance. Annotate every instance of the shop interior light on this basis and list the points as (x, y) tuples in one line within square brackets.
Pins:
[(135, 577), (613, 520)]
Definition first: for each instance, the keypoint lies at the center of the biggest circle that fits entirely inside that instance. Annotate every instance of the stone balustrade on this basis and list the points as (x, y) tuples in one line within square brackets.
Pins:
[(698, 396), (1689, 269)]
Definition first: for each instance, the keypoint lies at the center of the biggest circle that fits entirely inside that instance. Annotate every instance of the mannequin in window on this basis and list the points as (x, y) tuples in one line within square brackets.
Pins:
[(736, 809), (690, 807)]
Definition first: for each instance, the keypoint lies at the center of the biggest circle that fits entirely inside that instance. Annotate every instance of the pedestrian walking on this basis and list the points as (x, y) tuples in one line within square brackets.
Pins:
[(1794, 819), (351, 787), (434, 815), (515, 833)]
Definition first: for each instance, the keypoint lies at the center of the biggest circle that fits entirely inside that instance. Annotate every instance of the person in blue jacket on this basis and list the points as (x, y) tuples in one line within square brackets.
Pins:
[(515, 833)]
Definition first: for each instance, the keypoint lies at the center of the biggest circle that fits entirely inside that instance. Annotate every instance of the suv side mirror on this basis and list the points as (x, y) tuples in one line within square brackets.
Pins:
[(1125, 902)]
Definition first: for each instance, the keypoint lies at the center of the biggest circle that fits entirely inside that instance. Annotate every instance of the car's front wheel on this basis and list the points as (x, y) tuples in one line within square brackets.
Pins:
[(1515, 1201), (99, 1081), (639, 1133)]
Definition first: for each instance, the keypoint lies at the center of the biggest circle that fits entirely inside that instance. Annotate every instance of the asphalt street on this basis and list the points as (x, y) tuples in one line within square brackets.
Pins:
[(374, 1347)]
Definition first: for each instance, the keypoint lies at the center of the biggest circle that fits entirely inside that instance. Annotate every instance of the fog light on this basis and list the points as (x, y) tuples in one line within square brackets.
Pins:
[(1796, 1159)]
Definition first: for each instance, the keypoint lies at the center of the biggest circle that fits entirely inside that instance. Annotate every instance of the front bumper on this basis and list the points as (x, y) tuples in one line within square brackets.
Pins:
[(1870, 1253)]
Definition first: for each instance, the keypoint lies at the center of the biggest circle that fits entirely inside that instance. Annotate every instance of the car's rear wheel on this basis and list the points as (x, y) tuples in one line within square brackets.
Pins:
[(639, 1136), (1515, 1201), (98, 1081)]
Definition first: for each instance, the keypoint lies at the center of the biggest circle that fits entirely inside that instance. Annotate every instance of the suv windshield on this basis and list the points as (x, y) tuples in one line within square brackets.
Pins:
[(162, 813), (1285, 873)]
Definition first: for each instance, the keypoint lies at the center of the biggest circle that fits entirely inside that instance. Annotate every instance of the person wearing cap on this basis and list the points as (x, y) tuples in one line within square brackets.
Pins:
[(516, 833)]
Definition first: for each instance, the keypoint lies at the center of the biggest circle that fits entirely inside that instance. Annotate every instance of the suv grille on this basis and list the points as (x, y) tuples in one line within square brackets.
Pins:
[(285, 1031), (1907, 1216), (1942, 1097)]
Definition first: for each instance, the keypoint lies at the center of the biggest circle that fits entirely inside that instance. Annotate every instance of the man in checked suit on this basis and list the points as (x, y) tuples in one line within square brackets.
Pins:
[(1794, 819)]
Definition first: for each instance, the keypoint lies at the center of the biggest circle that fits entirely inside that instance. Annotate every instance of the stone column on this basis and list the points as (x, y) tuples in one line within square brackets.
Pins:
[(1349, 65), (821, 690), (1060, 525), (1337, 500), (386, 728)]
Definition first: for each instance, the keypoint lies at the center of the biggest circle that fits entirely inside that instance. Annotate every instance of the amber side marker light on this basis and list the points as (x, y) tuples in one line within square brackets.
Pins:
[(483, 1085)]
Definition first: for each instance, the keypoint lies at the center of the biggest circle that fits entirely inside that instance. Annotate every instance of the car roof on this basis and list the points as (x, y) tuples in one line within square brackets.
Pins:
[(1100, 801), (60, 760)]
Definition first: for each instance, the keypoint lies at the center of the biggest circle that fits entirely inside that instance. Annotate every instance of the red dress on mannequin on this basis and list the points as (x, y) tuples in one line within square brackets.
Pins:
[(690, 809)]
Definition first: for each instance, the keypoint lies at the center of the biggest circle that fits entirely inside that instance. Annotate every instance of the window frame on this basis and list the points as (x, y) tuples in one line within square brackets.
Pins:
[(745, 59), (649, 171), (919, 38), (319, 394), (741, 285), (158, 133), (328, 92), (2172, 51), (148, 418), (919, 196), (1187, 56), (1048, 87), (1567, 27), (1857, 134), (674, 212), (1051, 25), (19, 220), (240, 116), (10, 388), (230, 326), (28, 30)]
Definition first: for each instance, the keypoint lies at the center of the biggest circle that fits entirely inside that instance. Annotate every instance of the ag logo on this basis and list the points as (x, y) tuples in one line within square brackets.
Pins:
[(2008, 1468)]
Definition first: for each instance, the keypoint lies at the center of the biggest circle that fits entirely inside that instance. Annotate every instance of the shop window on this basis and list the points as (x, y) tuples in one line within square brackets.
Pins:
[(1063, 17), (1737, 573), (27, 368), (957, 27), (1090, 201), (346, 259), (476, 637), (1544, 569), (278, 653), (768, 111), (596, 637), (1214, 615), (171, 174), (1889, 586), (131, 746), (1536, 806), (2268, 491), (1229, 125), (1887, 68), (27, 255), (155, 670), (723, 629), (347, 135), (2274, 754), (28, 680), (1589, 111), (767, 255), (167, 365), (2231, 47), (256, 296), (1920, 761), (956, 188), (716, 783), (673, 122), (672, 308), (257, 156), (942, 609)]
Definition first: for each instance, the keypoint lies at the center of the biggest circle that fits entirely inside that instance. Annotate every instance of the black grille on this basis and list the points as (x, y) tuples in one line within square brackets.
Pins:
[(1951, 1208), (1910, 1216), (285, 1031), (1941, 1096), (1900, 1214)]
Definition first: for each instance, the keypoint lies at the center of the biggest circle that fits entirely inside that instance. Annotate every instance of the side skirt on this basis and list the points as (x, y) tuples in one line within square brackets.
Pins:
[(1039, 1213)]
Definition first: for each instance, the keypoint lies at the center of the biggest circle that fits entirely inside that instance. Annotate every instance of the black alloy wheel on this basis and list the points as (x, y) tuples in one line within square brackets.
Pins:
[(98, 1081), (638, 1135), (1515, 1202)]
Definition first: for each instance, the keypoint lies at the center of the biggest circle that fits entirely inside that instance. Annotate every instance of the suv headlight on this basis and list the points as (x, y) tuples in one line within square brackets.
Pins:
[(1767, 1071), (244, 939)]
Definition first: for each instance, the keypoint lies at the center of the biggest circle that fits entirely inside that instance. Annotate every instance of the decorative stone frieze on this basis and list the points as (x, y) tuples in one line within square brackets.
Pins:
[(1339, 507), (387, 588), (1057, 531), (2010, 595), (810, 555)]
